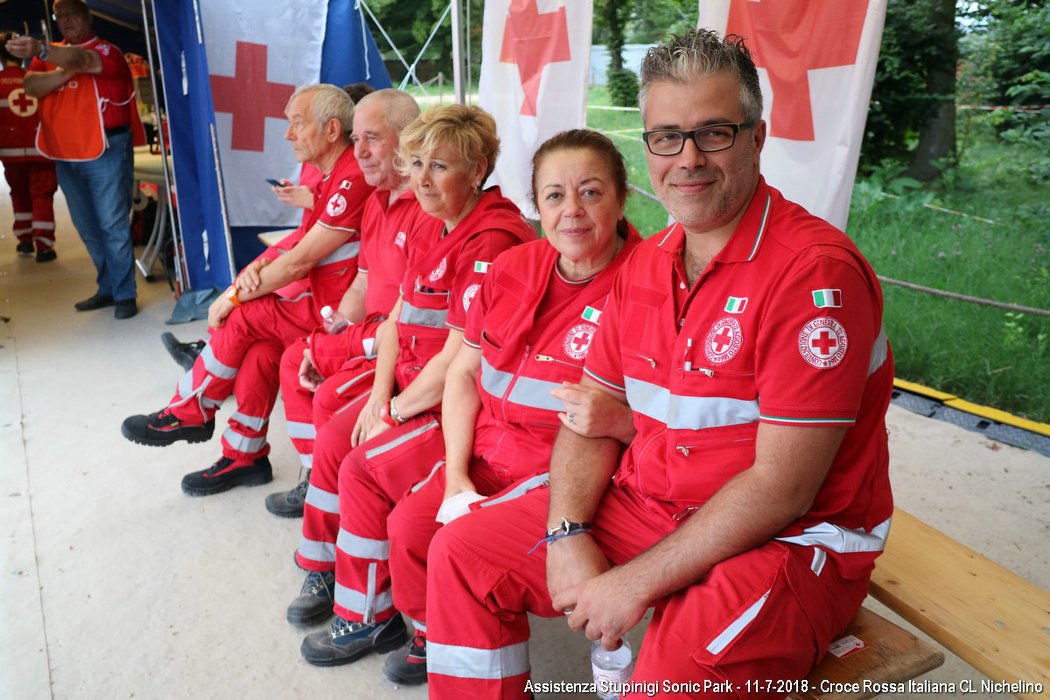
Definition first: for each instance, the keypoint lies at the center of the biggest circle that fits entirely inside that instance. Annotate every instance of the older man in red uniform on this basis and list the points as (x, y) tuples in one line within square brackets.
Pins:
[(250, 312), (30, 175)]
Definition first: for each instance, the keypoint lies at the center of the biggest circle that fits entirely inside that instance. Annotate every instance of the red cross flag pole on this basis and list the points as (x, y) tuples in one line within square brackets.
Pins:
[(534, 67), (256, 60), (816, 62)]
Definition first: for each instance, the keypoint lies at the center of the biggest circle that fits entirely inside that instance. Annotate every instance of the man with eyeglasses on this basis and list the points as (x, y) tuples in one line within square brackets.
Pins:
[(751, 504), (85, 126)]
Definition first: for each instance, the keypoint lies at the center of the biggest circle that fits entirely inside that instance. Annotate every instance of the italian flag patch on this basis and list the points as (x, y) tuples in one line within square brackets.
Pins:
[(591, 314), (736, 305), (827, 298), (481, 267)]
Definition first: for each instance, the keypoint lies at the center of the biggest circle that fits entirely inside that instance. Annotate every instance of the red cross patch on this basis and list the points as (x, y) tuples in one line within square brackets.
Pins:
[(723, 340), (21, 104), (578, 340), (822, 342), (469, 294), (336, 205)]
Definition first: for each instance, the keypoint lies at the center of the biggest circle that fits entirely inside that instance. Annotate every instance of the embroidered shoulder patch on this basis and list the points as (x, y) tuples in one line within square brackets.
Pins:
[(336, 205), (578, 340), (823, 342)]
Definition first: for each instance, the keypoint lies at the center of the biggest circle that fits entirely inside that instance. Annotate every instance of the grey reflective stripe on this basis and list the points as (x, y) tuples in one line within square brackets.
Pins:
[(185, 388), (841, 540), (431, 318), (242, 443), (17, 152), (307, 461), (253, 422), (302, 296), (214, 366), (536, 393), (494, 381), (317, 551), (347, 251), (433, 470), (355, 380), (688, 412), (519, 490), (736, 626), (421, 626), (209, 403), (879, 352), (473, 663), (358, 602), (301, 431), (322, 500), (363, 547), (400, 440), (368, 345)]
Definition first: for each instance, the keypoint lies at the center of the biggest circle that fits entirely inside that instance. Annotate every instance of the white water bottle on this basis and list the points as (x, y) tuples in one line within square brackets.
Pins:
[(332, 324), (611, 669)]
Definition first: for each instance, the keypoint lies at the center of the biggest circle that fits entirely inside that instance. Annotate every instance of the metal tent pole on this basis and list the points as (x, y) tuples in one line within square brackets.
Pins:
[(458, 72)]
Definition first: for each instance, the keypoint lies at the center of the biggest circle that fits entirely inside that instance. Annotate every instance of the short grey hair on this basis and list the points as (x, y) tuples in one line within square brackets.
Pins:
[(399, 108), (330, 102), (703, 52)]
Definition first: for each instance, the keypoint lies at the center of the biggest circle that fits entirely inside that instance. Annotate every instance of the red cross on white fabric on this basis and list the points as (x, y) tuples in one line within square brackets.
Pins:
[(250, 97), (723, 340), (21, 104), (580, 341), (824, 343)]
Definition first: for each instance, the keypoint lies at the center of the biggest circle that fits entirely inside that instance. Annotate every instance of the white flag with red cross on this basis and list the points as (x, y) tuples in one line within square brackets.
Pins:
[(535, 57), (816, 62), (256, 58)]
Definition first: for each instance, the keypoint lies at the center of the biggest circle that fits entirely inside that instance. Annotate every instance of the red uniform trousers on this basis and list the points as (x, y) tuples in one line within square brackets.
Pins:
[(770, 612), (336, 406), (412, 526), (243, 358), (333, 355), (372, 479), (33, 184)]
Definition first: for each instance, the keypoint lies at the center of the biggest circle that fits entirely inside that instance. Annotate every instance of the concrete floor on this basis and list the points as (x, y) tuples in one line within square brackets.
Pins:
[(115, 584)]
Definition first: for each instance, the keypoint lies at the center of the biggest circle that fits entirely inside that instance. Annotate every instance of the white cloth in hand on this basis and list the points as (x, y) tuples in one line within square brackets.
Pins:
[(456, 506)]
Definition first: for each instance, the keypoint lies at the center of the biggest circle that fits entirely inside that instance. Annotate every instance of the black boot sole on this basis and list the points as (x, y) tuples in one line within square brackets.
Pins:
[(195, 436), (247, 480)]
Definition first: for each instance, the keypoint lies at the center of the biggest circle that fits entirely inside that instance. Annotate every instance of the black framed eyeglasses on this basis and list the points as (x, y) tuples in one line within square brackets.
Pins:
[(710, 138)]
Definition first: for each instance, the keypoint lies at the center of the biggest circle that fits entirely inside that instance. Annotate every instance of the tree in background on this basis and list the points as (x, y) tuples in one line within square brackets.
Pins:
[(610, 28), (912, 116)]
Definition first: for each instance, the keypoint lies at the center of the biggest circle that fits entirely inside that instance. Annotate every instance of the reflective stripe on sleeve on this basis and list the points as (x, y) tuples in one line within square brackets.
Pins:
[(471, 662), (880, 350)]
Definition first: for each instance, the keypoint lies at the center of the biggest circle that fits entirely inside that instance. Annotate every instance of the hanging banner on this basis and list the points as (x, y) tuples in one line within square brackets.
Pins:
[(816, 62), (257, 56), (534, 66)]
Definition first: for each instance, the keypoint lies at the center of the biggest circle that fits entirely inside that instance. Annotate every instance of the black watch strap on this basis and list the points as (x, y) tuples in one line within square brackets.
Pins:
[(565, 528)]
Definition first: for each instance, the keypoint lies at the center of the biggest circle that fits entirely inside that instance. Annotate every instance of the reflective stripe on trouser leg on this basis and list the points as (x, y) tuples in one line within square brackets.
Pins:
[(255, 387), (371, 478), (321, 510)]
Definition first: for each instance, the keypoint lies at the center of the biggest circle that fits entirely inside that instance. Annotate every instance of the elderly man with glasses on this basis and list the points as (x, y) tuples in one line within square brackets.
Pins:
[(750, 506)]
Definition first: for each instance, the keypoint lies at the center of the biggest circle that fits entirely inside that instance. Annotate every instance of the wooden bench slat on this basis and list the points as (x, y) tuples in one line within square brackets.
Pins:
[(890, 655), (995, 620)]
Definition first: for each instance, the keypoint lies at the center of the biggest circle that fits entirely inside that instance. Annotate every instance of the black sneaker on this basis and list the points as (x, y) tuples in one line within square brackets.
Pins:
[(225, 474), (345, 642), (314, 603), (95, 301), (185, 354), (162, 428), (24, 247), (289, 504), (408, 665), (46, 255)]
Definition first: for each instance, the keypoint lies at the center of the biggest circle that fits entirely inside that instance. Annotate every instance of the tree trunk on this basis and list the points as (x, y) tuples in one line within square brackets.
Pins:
[(937, 140), (616, 13)]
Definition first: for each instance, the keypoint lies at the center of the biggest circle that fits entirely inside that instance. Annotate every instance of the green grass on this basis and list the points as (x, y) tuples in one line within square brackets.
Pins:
[(984, 355)]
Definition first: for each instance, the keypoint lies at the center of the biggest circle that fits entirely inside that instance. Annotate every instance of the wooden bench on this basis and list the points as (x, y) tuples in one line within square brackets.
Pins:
[(270, 238), (993, 619)]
